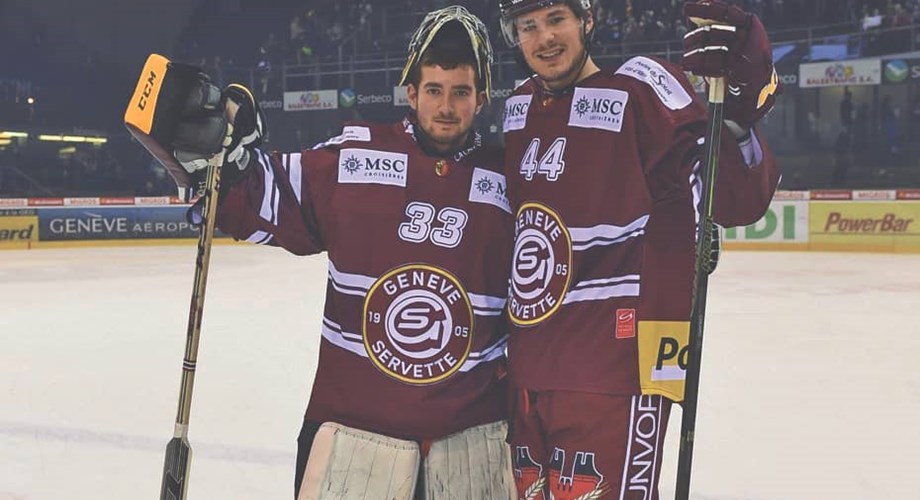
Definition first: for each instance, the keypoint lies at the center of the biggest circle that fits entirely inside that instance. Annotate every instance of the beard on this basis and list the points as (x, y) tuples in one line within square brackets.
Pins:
[(446, 141)]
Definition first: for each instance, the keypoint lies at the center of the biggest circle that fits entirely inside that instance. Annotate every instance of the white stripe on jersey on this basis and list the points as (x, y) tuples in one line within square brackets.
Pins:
[(334, 334), (584, 238), (270, 195), (259, 238), (335, 327), (351, 284), (629, 289), (606, 281), (295, 172), (490, 353), (487, 305), (354, 343)]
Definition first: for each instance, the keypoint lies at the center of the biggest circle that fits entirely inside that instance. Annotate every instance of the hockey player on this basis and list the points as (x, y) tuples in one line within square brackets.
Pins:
[(407, 401), (602, 167)]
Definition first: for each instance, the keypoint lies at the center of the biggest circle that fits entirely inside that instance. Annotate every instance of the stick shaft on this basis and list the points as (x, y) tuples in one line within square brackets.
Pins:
[(179, 452), (196, 307), (701, 284)]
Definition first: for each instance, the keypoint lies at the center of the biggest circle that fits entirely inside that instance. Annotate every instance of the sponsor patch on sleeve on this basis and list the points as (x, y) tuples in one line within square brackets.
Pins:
[(662, 81), (489, 187), (598, 108), (516, 112), (350, 133), (367, 166)]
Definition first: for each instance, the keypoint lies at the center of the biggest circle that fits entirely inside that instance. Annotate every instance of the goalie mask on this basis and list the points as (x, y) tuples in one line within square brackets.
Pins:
[(472, 26)]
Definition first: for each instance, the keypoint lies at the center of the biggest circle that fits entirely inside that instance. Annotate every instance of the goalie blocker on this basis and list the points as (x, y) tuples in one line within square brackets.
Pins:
[(175, 107), (336, 462)]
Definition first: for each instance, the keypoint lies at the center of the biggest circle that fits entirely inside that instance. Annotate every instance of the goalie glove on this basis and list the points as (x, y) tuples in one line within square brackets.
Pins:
[(246, 131), (728, 42), (175, 106)]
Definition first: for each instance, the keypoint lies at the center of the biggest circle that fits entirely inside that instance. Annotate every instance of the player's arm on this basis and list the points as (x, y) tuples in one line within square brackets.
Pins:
[(265, 197), (667, 143), (727, 42)]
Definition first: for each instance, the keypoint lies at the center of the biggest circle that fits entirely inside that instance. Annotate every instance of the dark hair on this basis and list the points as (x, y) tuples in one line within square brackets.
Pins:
[(450, 48)]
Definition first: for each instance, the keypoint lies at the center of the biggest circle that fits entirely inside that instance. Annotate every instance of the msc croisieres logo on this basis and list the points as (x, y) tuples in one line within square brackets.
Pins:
[(598, 108), (582, 106), (484, 185), (542, 264), (418, 322), (368, 166), (351, 164)]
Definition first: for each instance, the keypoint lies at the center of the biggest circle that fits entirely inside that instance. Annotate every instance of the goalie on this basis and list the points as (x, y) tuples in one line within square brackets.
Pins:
[(408, 399)]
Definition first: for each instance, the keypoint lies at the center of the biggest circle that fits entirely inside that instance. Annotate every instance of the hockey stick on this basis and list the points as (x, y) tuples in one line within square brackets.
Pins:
[(704, 241), (179, 451)]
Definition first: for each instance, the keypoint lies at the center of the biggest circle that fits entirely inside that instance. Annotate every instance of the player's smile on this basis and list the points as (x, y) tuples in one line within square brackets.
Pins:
[(552, 55)]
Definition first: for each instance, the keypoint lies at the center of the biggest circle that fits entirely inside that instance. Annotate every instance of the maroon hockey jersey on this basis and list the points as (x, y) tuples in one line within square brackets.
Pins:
[(413, 333), (604, 183)]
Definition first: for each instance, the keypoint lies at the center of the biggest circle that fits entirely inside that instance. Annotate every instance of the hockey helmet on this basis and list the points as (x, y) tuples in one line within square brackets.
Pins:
[(473, 26), (510, 9)]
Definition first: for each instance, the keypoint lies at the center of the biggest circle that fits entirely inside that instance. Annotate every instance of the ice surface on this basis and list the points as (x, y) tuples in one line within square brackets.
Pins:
[(809, 390)]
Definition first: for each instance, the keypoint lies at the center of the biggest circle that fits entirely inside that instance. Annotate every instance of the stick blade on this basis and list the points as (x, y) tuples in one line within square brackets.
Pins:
[(175, 471)]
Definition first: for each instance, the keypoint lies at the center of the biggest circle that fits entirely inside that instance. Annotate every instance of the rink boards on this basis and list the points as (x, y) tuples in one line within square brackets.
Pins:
[(835, 220), (826, 220), (72, 222)]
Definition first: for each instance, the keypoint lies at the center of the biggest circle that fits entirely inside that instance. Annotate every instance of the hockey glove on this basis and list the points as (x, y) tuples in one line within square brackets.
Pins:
[(247, 129), (725, 41)]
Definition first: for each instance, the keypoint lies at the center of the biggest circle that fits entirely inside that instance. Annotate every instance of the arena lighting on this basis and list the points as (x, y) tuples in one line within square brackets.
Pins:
[(30, 100), (4, 141), (72, 138), (8, 134)]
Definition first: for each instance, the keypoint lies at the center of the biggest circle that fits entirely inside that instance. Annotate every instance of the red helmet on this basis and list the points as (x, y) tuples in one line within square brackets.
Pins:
[(510, 9)]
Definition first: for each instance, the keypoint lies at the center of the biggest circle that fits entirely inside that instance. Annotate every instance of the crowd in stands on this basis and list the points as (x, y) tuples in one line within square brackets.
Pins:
[(118, 168), (377, 25)]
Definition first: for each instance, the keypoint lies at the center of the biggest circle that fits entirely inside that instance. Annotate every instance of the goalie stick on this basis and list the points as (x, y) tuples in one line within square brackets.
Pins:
[(175, 106), (179, 451)]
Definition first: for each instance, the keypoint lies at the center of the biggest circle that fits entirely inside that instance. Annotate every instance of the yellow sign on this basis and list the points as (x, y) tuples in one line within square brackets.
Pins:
[(18, 231), (865, 226), (663, 354)]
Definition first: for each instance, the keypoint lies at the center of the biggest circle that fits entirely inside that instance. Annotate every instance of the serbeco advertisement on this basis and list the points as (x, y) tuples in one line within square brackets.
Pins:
[(114, 223), (900, 71), (349, 98)]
